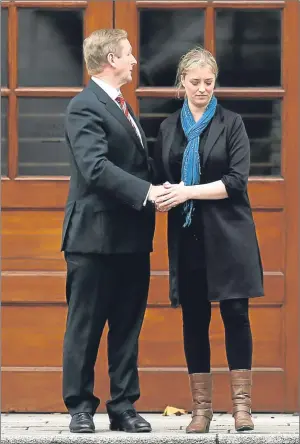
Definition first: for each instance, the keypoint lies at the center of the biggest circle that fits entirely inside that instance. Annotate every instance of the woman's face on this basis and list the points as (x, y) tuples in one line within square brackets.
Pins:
[(199, 85)]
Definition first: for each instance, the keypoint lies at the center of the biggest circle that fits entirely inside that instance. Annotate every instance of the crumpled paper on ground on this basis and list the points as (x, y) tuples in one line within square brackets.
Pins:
[(169, 410)]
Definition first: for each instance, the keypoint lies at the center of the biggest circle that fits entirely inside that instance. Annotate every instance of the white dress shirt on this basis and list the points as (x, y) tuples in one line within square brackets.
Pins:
[(113, 94)]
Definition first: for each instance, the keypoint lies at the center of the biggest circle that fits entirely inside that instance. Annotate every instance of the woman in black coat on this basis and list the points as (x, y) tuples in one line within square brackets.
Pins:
[(203, 155)]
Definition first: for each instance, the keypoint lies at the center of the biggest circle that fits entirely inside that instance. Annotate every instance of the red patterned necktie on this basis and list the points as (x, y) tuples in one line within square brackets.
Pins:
[(121, 101)]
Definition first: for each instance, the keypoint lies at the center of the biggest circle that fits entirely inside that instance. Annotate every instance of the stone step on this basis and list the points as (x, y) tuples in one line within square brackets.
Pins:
[(171, 438), (53, 428)]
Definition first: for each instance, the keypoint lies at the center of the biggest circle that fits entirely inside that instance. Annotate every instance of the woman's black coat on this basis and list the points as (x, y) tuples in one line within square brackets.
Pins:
[(232, 257)]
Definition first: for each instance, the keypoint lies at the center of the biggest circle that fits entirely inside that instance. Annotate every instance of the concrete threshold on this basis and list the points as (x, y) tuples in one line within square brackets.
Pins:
[(53, 429)]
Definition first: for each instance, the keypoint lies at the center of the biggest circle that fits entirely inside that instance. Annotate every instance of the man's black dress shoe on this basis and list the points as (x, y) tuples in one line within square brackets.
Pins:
[(130, 422), (82, 423)]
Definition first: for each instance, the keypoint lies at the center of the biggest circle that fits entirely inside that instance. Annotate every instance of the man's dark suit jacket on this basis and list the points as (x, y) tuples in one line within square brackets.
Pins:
[(110, 178)]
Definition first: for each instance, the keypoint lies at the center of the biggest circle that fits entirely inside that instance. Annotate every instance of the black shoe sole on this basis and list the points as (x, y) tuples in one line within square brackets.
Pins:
[(139, 430), (83, 430)]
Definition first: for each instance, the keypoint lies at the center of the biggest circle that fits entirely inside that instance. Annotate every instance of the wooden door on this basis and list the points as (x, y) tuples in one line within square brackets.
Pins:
[(256, 45)]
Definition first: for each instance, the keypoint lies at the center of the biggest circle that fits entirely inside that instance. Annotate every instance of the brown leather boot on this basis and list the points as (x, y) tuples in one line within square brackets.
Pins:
[(201, 388), (241, 382)]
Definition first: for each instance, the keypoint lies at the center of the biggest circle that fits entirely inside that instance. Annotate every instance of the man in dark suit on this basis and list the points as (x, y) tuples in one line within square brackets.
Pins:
[(107, 236)]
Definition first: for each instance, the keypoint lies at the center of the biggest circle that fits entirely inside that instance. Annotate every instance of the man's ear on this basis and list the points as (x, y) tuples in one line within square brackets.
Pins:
[(111, 59)]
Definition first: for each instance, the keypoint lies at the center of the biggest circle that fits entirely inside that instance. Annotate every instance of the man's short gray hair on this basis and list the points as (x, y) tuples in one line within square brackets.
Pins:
[(98, 45)]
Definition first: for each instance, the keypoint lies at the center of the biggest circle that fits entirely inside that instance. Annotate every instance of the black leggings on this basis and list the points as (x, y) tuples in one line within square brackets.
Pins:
[(196, 315)]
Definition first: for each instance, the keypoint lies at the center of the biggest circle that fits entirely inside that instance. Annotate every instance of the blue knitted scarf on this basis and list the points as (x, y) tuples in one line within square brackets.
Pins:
[(190, 171)]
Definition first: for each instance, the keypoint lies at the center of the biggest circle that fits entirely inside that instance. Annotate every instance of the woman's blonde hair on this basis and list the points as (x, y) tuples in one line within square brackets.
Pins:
[(98, 45), (192, 59)]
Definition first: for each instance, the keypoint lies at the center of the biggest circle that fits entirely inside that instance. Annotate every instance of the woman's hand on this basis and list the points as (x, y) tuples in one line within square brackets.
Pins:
[(179, 193)]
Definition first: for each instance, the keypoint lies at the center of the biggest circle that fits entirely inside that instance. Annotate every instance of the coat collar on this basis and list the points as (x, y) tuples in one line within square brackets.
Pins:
[(118, 114), (215, 130)]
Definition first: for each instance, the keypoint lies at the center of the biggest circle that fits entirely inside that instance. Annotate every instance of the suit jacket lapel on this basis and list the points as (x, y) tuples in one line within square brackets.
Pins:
[(139, 127), (169, 139), (215, 130), (113, 109)]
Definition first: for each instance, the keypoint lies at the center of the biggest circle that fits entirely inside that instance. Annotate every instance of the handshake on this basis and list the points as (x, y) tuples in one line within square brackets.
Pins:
[(168, 195)]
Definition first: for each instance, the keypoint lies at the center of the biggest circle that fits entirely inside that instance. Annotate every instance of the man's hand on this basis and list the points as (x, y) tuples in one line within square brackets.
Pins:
[(178, 194), (157, 191)]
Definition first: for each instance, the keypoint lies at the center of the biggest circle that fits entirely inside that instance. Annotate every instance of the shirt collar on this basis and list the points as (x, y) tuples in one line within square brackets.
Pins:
[(110, 90)]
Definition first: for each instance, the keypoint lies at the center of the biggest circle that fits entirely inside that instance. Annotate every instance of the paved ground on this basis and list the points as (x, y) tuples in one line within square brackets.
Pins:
[(53, 428)]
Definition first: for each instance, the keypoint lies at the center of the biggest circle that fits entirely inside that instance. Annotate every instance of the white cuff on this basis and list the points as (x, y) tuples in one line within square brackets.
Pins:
[(145, 201)]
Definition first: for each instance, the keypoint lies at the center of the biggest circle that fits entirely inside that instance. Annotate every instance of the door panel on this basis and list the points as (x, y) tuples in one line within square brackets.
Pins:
[(42, 287), (42, 329), (37, 360), (34, 237), (22, 390)]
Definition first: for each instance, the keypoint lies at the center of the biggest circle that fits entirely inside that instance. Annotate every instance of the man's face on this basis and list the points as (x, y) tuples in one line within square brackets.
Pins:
[(124, 63)]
